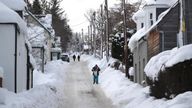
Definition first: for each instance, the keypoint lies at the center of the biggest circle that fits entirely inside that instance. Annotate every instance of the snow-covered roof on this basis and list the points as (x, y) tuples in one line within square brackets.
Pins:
[(166, 2), (36, 35), (167, 59), (14, 4), (9, 16), (47, 21), (57, 49), (142, 32), (135, 38)]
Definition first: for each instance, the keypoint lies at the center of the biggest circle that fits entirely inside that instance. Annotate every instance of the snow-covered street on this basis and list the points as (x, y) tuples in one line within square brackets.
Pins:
[(79, 90)]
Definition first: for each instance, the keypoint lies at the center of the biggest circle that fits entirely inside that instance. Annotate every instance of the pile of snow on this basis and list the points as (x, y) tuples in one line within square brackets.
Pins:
[(47, 92), (9, 16), (131, 71), (14, 4), (167, 59), (127, 94)]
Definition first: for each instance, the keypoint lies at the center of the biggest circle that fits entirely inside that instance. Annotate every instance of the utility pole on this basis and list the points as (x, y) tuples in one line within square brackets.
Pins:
[(107, 29), (94, 35), (125, 41), (101, 31), (82, 35)]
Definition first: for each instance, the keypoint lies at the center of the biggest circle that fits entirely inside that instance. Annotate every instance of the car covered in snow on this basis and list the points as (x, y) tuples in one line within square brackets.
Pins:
[(65, 57)]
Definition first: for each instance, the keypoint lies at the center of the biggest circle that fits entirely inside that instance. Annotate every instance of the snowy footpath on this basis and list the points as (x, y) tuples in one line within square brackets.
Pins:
[(69, 85)]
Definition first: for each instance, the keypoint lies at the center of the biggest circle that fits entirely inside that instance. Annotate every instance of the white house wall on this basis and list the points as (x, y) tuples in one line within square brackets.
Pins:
[(21, 63), (7, 59), (140, 59)]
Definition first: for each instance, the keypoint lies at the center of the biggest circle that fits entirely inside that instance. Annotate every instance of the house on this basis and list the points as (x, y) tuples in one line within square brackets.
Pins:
[(14, 56), (41, 37), (56, 49), (144, 18)]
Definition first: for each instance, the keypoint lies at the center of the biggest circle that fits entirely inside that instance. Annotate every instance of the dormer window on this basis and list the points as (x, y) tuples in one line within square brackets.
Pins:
[(142, 25), (151, 16), (151, 19)]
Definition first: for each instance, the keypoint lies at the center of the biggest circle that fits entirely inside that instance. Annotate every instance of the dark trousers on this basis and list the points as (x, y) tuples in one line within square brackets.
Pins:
[(95, 79)]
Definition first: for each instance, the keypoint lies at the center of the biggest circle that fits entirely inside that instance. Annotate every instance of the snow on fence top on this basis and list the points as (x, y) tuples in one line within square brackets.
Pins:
[(9, 16), (14, 4), (167, 59)]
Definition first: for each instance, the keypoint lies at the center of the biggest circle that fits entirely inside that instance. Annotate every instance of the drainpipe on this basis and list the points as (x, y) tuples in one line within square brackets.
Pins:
[(15, 81), (162, 40)]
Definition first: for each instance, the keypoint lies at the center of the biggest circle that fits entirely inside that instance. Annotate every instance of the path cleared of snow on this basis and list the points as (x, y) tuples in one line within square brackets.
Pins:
[(79, 90)]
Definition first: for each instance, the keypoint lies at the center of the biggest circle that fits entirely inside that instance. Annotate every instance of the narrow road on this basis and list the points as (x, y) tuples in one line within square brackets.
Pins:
[(79, 90)]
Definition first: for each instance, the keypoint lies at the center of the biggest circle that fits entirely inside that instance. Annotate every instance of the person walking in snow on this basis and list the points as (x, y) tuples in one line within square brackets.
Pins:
[(74, 57), (95, 71), (78, 57)]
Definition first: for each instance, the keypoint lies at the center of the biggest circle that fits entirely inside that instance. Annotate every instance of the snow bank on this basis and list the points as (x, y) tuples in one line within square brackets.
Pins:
[(47, 91), (167, 59), (127, 94)]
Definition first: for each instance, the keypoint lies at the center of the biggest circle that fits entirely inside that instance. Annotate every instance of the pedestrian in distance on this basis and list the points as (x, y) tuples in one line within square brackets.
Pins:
[(78, 57), (95, 71), (74, 57)]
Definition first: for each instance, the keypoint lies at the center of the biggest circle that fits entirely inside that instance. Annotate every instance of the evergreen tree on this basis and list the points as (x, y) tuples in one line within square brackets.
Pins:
[(59, 21), (36, 8)]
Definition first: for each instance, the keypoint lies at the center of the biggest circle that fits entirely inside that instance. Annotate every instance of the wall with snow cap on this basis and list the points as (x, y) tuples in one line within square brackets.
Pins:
[(10, 16), (167, 59)]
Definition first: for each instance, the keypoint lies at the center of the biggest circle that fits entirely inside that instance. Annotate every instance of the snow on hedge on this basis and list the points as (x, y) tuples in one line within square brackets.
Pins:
[(167, 59), (127, 94)]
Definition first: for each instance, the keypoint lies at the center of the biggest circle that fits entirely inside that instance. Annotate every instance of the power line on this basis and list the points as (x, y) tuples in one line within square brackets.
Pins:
[(79, 24)]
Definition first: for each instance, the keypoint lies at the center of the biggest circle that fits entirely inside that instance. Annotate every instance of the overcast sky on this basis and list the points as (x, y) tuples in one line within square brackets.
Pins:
[(75, 10)]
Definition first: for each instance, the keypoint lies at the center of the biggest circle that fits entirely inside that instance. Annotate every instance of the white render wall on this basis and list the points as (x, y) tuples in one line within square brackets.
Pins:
[(21, 63), (7, 59)]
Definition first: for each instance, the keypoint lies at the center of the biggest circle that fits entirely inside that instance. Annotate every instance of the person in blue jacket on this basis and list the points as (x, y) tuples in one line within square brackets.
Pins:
[(95, 71)]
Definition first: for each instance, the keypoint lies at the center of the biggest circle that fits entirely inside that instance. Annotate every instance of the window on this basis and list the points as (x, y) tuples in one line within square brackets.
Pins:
[(151, 19), (151, 22), (142, 25), (151, 16)]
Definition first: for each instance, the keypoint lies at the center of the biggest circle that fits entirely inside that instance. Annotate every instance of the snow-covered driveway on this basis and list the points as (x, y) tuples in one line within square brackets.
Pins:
[(79, 90)]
